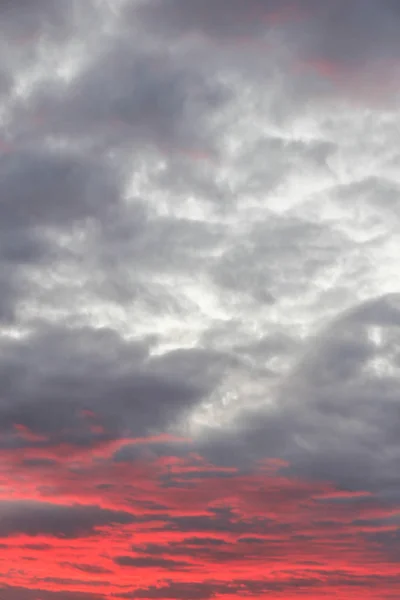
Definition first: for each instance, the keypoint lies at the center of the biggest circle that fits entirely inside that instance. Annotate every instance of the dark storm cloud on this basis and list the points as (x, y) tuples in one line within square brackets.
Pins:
[(134, 99), (203, 541), (53, 189), (34, 16), (150, 562), (9, 592), (337, 32), (338, 415), (353, 33), (220, 18), (87, 568), (39, 547), (35, 518), (9, 295), (50, 377)]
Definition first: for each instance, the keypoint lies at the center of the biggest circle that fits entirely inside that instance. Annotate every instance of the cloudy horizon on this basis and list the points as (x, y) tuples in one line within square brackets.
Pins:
[(199, 299)]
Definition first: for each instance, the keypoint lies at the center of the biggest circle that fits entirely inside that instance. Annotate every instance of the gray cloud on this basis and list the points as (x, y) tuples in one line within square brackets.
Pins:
[(151, 562), (335, 30), (14, 593), (52, 189), (94, 370), (45, 194), (23, 16), (219, 19), (34, 519), (87, 568), (128, 98), (337, 414)]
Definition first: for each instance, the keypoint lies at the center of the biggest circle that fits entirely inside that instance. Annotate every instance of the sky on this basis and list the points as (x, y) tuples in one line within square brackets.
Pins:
[(199, 299)]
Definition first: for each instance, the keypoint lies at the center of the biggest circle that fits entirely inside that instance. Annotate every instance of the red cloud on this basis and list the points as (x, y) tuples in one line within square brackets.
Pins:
[(177, 526)]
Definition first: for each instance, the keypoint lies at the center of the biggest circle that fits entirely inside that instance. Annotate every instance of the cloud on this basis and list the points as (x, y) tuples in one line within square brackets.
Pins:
[(103, 372), (45, 195), (149, 562), (188, 529), (14, 593), (335, 31), (34, 519), (199, 300), (93, 569), (34, 15), (215, 19), (153, 97), (48, 189), (207, 589)]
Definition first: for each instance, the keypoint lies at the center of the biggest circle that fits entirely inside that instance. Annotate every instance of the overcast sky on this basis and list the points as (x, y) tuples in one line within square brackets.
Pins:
[(199, 299)]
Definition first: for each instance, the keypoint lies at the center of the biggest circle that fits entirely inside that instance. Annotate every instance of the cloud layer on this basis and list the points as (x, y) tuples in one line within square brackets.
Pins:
[(199, 299)]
